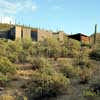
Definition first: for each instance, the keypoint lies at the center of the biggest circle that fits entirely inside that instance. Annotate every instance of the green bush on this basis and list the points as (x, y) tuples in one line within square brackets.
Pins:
[(3, 46), (68, 69), (13, 50), (26, 43), (39, 62), (73, 47), (52, 47), (33, 50), (95, 54), (17, 51), (86, 74), (6, 66), (83, 59), (7, 97), (64, 51), (44, 85)]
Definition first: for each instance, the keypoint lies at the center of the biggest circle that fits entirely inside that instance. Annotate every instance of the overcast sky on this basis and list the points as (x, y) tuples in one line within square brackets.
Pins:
[(69, 15)]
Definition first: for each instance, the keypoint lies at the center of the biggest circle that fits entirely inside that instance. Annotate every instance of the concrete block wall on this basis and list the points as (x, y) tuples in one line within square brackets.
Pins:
[(17, 32), (26, 33)]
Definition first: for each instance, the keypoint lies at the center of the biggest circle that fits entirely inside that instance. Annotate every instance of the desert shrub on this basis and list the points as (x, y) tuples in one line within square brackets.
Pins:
[(26, 43), (13, 50), (44, 85), (52, 47), (22, 56), (64, 51), (86, 45), (3, 45), (68, 69), (95, 54), (33, 50), (39, 62), (6, 66), (48, 70), (83, 59), (21, 98), (73, 47), (18, 51), (86, 74), (3, 80), (7, 97)]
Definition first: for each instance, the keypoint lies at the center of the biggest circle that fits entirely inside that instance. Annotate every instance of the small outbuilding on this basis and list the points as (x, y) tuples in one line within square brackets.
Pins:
[(80, 37)]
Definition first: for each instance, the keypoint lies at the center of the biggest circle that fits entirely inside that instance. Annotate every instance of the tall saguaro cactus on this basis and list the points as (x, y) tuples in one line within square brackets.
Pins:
[(95, 33)]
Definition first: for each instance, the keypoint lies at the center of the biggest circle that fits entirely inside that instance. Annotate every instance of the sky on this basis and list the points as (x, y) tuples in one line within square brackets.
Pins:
[(71, 16)]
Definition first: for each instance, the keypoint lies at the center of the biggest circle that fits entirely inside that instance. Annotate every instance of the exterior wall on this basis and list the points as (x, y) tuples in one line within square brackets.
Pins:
[(80, 37), (42, 34), (26, 33), (85, 40), (17, 32)]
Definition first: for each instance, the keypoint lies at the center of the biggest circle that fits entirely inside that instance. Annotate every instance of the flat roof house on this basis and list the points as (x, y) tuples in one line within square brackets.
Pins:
[(80, 37), (21, 32)]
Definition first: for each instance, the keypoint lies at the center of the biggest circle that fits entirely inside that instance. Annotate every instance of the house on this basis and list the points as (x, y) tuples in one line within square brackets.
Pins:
[(14, 32), (20, 32), (80, 37)]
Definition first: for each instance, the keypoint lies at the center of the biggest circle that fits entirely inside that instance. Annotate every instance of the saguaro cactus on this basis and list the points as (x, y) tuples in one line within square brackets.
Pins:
[(95, 33)]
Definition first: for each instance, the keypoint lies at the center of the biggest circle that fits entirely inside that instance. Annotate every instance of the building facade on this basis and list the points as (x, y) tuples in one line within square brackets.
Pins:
[(81, 37), (14, 32), (19, 32)]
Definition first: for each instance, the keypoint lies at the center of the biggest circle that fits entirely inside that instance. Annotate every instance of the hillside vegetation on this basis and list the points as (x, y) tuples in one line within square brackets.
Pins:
[(33, 70)]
